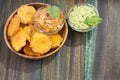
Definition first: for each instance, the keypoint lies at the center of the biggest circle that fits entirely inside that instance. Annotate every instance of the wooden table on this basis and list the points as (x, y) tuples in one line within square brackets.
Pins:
[(94, 55)]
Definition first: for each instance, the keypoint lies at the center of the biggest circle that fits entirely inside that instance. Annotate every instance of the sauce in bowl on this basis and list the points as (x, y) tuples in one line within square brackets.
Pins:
[(46, 24), (83, 17)]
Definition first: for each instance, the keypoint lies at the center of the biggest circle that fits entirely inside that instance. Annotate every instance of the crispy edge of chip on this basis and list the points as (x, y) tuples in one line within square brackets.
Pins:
[(18, 41), (23, 13), (30, 31), (56, 40), (14, 26), (40, 43), (28, 51)]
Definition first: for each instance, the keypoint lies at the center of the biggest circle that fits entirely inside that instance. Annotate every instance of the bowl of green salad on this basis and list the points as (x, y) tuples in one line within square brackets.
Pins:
[(83, 17)]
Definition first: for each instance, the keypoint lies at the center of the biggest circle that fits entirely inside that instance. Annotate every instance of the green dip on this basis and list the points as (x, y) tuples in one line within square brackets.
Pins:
[(78, 15)]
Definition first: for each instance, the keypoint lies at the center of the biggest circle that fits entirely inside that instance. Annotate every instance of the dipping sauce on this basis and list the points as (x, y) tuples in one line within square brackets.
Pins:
[(43, 22), (83, 17)]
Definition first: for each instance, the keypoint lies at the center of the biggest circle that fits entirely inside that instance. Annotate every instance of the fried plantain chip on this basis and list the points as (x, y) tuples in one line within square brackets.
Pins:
[(56, 40), (13, 26), (29, 29), (28, 51), (19, 40), (40, 43), (26, 13)]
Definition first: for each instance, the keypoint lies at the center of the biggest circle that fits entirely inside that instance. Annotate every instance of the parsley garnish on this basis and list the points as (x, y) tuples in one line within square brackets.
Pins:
[(93, 21), (53, 11)]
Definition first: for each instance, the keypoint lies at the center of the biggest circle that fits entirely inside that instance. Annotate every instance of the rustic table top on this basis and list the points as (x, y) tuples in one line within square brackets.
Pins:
[(94, 55)]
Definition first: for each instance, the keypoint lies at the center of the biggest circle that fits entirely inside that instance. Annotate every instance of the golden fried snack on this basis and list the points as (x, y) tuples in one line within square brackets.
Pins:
[(19, 40), (29, 30), (26, 13), (40, 43), (28, 51), (13, 26), (56, 40)]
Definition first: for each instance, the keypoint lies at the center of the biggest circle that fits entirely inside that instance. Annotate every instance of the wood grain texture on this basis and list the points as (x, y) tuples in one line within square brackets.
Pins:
[(67, 64), (107, 58)]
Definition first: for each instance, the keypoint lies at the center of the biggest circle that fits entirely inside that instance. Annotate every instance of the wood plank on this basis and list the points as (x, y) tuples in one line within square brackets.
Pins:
[(69, 61), (107, 61), (90, 48)]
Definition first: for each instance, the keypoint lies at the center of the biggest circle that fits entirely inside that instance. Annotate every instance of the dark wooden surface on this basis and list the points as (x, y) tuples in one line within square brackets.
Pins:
[(107, 55), (85, 56)]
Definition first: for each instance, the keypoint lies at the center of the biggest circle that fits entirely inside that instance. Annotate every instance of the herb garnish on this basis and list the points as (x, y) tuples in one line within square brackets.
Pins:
[(53, 11), (93, 21)]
